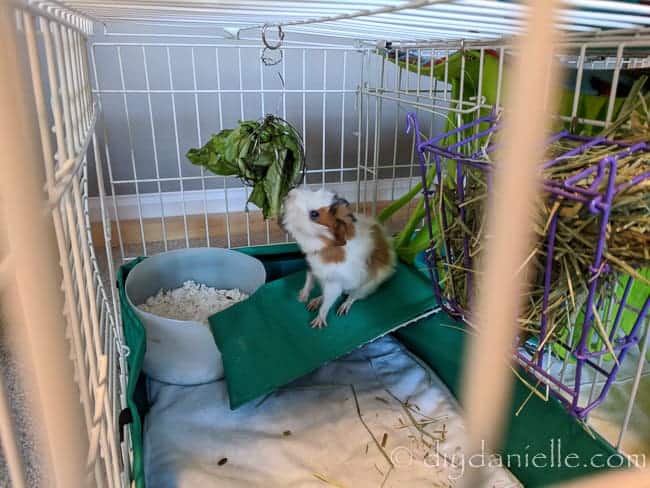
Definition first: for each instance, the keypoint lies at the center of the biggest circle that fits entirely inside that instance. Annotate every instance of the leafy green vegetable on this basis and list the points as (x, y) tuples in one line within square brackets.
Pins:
[(266, 154), (412, 239)]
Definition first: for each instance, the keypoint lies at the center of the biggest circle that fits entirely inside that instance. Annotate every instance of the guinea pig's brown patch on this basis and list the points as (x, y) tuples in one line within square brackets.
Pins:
[(332, 253), (339, 219), (380, 256)]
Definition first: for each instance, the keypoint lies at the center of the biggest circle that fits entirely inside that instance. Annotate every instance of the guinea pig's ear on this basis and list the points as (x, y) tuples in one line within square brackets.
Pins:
[(340, 201), (342, 220)]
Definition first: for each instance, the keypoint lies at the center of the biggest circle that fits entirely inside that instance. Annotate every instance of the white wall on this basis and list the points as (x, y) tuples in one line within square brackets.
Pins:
[(330, 121)]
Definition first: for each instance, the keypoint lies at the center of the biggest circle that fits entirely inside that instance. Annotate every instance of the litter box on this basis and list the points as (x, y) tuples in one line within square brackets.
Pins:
[(183, 352)]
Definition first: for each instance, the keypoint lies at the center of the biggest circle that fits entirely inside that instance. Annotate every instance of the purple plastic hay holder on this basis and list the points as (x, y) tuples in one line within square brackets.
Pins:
[(589, 358)]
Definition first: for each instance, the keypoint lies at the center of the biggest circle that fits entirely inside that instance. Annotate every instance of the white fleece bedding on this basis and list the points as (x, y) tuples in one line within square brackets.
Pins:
[(310, 433)]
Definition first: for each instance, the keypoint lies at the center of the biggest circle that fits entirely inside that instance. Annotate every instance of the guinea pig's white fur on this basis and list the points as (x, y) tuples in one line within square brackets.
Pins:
[(347, 253)]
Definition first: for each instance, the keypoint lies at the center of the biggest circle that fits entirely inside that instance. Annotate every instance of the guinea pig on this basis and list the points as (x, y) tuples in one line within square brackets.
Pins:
[(347, 253)]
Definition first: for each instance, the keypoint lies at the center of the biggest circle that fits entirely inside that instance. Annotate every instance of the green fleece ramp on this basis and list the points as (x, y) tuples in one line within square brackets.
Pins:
[(266, 341)]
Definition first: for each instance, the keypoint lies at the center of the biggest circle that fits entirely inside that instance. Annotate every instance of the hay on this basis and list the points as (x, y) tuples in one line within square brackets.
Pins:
[(577, 228)]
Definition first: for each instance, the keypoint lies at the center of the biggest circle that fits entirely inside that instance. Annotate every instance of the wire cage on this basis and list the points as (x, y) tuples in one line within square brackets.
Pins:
[(118, 90), (581, 357)]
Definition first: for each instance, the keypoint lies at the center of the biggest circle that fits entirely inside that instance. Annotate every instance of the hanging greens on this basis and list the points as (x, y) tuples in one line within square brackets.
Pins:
[(266, 154)]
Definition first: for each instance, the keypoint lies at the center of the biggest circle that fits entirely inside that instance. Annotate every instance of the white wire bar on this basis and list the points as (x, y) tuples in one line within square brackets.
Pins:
[(32, 302), (371, 20), (630, 53), (640, 370), (376, 92), (154, 100), (56, 12), (59, 65), (402, 89), (157, 201)]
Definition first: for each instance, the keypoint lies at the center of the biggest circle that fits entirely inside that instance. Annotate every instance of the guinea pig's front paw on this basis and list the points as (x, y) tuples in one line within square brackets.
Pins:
[(318, 323), (314, 303), (303, 296)]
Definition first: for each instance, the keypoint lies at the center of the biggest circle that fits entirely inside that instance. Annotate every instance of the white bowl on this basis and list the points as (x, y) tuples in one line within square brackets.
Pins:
[(183, 352)]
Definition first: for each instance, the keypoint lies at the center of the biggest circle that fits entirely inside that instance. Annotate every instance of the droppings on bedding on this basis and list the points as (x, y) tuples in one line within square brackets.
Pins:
[(413, 452), (192, 301)]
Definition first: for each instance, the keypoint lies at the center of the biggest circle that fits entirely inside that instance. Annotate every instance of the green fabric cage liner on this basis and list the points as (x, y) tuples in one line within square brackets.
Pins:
[(431, 339), (543, 427), (266, 341)]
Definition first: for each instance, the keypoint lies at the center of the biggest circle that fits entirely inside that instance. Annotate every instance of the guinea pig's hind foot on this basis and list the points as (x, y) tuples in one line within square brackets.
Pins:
[(344, 308), (314, 303), (318, 323)]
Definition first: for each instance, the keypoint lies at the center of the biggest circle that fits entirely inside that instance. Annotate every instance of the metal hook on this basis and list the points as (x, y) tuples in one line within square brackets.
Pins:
[(123, 350), (269, 60), (266, 59), (280, 38)]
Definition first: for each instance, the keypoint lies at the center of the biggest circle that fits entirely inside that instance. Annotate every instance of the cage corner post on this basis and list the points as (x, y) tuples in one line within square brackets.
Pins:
[(32, 300)]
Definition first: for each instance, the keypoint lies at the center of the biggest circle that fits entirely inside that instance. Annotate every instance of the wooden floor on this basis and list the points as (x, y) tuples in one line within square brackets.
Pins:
[(220, 230)]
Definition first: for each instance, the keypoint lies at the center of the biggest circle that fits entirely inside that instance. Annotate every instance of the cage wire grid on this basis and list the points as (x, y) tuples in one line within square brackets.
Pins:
[(54, 41), (554, 377), (57, 33), (382, 85), (370, 20), (537, 357), (376, 92)]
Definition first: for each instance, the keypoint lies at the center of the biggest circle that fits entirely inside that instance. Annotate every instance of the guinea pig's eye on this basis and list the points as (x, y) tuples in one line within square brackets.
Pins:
[(313, 214)]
